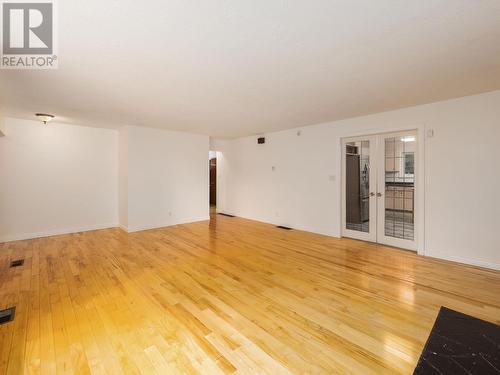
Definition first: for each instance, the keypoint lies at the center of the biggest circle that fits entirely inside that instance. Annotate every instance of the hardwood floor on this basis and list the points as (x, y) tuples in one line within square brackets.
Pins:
[(232, 296)]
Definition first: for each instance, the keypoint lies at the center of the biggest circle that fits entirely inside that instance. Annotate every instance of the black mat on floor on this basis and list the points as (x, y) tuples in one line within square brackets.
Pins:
[(460, 344)]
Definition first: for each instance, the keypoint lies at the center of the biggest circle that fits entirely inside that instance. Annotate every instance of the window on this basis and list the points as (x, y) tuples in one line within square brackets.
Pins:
[(409, 162)]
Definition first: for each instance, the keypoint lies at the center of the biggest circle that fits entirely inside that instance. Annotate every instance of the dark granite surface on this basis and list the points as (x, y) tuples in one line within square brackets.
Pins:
[(460, 344)]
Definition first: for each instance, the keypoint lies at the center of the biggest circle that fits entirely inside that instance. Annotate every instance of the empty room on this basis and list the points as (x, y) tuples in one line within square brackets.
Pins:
[(250, 187)]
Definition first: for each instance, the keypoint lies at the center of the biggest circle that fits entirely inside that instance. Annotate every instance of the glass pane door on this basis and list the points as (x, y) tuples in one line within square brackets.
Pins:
[(358, 183), (397, 190)]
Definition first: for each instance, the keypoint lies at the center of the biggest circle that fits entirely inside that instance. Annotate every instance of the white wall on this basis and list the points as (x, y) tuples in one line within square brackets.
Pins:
[(123, 178), (2, 123), (63, 178), (56, 179), (462, 178), (167, 178)]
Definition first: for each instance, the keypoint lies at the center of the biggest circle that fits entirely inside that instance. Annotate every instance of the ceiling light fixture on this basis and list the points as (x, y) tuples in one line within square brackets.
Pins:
[(408, 139), (45, 118)]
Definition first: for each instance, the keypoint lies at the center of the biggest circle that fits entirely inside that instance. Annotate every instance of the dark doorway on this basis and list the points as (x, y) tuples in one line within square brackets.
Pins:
[(213, 182)]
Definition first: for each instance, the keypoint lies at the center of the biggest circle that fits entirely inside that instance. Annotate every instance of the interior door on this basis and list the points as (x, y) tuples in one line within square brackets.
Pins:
[(213, 182), (359, 211), (397, 173)]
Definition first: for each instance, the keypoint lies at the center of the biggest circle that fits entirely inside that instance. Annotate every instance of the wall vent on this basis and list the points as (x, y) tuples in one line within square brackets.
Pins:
[(16, 263), (261, 140), (7, 315)]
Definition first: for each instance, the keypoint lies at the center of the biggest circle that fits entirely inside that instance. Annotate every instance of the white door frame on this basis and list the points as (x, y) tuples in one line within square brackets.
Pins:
[(371, 235), (381, 237), (420, 182)]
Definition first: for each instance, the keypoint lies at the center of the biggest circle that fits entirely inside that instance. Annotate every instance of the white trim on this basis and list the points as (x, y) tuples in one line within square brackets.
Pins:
[(55, 232), (465, 261), (217, 190), (420, 188), (411, 245), (371, 235), (420, 183), (58, 232), (208, 179), (164, 225), (123, 227), (294, 227)]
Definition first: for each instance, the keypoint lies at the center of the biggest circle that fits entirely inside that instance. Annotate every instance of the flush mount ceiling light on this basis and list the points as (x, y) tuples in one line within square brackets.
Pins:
[(408, 139), (45, 118)]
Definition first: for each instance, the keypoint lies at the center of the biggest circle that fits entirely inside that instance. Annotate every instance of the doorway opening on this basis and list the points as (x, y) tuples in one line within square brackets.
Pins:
[(212, 162), (379, 188)]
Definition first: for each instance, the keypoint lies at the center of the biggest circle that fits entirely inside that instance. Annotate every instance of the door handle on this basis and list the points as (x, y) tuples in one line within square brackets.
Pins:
[(379, 195), (372, 194)]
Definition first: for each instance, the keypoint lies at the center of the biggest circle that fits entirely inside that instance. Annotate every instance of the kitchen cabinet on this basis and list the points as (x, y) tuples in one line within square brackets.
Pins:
[(399, 198)]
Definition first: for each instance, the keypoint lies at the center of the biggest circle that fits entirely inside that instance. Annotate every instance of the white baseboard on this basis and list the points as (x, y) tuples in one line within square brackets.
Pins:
[(27, 236), (123, 227), (467, 261), (56, 232), (164, 225), (298, 227)]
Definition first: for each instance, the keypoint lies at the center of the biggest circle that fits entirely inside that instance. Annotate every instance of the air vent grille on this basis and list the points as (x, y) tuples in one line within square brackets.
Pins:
[(7, 315), (17, 263)]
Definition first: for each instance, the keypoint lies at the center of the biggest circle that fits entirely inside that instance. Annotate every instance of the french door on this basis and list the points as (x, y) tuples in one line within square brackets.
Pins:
[(359, 185), (378, 188)]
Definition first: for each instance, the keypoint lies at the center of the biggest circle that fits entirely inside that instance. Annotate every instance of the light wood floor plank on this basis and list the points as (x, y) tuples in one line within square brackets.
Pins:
[(229, 296)]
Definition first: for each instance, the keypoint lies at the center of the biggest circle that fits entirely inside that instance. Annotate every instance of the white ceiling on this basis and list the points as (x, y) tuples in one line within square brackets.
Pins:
[(230, 68)]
